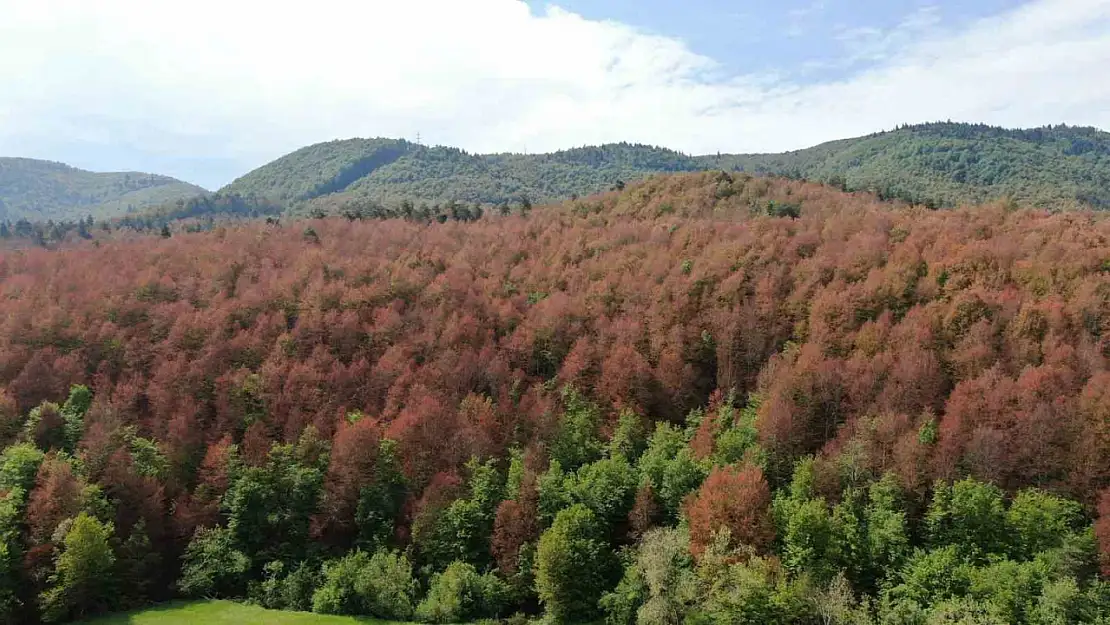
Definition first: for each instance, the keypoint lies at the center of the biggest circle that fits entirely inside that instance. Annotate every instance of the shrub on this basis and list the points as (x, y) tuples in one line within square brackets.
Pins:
[(460, 593), (359, 584)]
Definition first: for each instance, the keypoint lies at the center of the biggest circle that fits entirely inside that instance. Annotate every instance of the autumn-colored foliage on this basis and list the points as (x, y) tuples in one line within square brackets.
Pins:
[(736, 499), (881, 339)]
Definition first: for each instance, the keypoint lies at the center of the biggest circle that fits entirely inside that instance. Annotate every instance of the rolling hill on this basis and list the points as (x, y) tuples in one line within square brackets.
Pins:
[(329, 176), (940, 165), (947, 164), (38, 190)]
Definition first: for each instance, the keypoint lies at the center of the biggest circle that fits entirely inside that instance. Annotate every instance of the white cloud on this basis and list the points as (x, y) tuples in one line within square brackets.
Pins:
[(244, 81)]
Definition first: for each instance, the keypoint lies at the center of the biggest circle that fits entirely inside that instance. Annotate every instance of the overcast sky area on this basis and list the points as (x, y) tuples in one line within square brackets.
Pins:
[(206, 90)]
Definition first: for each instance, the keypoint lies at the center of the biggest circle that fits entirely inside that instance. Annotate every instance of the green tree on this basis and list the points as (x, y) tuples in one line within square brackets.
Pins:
[(270, 507), (933, 576), (746, 589), (1009, 589), (555, 492), (577, 441), (1039, 521), (213, 566), (969, 514), (139, 567), (670, 466), (82, 583), (667, 568), (574, 566), (19, 464), (888, 539), (380, 500), (11, 520), (461, 594), (809, 537), (73, 413), (622, 604), (148, 459), (287, 588), (629, 440), (381, 585), (607, 487), (462, 530)]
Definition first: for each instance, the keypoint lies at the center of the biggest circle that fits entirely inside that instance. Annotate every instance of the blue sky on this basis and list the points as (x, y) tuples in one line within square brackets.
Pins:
[(814, 39), (209, 89)]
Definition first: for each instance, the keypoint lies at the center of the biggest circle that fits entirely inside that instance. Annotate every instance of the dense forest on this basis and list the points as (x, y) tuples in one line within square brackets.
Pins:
[(948, 164), (357, 173), (705, 398), (936, 165), (34, 190)]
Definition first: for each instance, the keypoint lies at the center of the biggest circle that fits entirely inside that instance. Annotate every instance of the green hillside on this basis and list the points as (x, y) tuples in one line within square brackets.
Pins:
[(946, 164), (40, 190), (941, 164), (331, 175)]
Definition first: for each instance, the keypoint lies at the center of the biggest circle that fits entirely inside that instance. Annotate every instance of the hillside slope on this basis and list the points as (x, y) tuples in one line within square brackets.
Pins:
[(329, 176), (40, 190), (933, 164), (947, 164)]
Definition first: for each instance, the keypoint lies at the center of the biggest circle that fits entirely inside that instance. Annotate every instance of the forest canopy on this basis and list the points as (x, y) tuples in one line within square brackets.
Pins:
[(704, 398), (936, 165)]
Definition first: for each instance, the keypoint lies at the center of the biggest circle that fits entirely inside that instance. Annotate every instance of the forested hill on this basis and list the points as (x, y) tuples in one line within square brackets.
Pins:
[(338, 174), (948, 164), (38, 190), (933, 164)]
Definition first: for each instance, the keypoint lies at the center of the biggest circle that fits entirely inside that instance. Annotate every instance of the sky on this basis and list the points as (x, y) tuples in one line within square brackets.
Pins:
[(206, 90)]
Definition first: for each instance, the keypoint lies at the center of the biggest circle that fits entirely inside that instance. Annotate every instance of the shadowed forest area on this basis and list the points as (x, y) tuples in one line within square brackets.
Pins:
[(705, 398)]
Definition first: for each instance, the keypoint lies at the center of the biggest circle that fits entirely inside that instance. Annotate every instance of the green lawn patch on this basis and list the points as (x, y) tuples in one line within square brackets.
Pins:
[(223, 613)]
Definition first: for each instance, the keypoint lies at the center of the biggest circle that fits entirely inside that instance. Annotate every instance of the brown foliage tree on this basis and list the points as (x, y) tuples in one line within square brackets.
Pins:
[(733, 498)]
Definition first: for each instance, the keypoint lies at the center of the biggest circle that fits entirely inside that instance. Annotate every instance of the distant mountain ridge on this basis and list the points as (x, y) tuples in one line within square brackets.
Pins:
[(937, 164), (38, 190)]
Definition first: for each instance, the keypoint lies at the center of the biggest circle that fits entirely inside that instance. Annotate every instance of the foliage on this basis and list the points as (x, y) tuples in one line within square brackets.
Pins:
[(19, 464), (736, 499), (82, 581), (380, 585), (670, 584), (270, 507), (577, 441), (669, 466), (573, 565), (550, 398), (212, 566), (969, 515), (461, 531), (460, 594), (1039, 521)]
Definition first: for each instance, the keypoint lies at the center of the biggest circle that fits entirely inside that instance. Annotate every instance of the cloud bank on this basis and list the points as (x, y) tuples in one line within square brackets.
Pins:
[(235, 83)]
